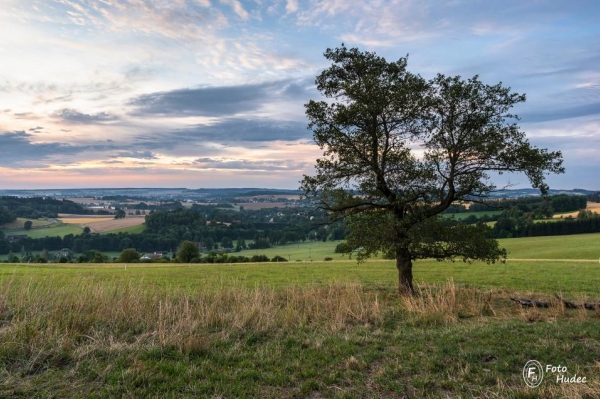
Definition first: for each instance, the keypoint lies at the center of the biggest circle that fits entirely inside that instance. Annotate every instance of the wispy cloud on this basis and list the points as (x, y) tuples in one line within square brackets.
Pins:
[(221, 101), (72, 116)]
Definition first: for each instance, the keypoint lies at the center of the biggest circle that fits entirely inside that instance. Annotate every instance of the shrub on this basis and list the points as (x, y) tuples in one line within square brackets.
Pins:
[(259, 258), (278, 258), (342, 248), (327, 259)]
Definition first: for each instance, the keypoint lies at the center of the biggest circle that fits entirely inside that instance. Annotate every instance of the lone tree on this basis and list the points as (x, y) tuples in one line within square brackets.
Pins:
[(187, 252), (399, 150), (27, 225), (129, 255)]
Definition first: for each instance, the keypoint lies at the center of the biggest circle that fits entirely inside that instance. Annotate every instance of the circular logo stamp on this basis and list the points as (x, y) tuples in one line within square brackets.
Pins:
[(533, 373)]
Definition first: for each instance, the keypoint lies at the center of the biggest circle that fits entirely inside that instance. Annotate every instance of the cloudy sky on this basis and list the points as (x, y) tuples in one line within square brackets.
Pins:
[(210, 93)]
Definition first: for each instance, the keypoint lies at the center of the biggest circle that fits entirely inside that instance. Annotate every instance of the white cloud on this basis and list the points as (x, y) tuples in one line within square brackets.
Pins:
[(237, 7)]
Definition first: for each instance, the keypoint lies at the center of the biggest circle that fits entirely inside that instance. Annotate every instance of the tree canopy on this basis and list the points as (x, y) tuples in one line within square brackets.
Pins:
[(399, 150), (187, 252)]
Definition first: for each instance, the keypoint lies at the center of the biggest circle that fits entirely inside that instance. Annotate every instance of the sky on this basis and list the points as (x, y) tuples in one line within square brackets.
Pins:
[(211, 93)]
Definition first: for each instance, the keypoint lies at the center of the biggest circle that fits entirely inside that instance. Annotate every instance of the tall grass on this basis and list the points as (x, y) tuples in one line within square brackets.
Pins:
[(446, 303), (110, 336), (37, 311)]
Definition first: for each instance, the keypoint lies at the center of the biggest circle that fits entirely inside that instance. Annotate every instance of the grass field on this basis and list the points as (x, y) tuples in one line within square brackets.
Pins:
[(579, 246), (309, 329), (50, 231), (35, 223)]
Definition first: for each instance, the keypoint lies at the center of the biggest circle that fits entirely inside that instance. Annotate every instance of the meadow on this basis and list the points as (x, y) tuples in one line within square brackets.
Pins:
[(305, 328)]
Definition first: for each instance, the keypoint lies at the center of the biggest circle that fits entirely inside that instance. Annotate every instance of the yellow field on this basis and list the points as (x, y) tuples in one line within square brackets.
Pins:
[(82, 219), (592, 206)]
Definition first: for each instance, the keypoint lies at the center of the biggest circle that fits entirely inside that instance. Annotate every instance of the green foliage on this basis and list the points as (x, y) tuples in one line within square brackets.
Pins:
[(278, 258), (129, 255), (343, 248), (370, 176), (37, 207), (187, 252), (120, 214), (6, 216), (259, 258), (27, 225)]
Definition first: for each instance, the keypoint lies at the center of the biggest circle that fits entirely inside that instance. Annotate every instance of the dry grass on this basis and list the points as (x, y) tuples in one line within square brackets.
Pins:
[(83, 220), (91, 334), (129, 312), (592, 206), (446, 303)]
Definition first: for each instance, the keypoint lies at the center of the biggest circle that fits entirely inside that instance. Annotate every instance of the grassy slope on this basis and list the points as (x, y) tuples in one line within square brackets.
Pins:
[(579, 246), (19, 222), (51, 231)]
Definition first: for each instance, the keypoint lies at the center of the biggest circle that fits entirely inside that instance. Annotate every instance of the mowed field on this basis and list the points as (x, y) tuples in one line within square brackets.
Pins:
[(101, 223), (309, 329)]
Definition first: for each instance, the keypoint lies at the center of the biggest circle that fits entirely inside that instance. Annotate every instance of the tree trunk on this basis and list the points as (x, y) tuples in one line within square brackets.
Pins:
[(405, 277)]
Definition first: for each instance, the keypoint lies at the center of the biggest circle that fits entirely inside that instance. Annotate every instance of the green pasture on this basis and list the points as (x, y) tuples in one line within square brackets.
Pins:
[(310, 250), (576, 246), (541, 277), (53, 230), (35, 223)]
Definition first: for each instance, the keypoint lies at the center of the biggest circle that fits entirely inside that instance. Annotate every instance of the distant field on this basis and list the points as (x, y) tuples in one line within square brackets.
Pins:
[(54, 230), (19, 222), (103, 223), (83, 219), (313, 250), (577, 246), (593, 206), (131, 229)]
